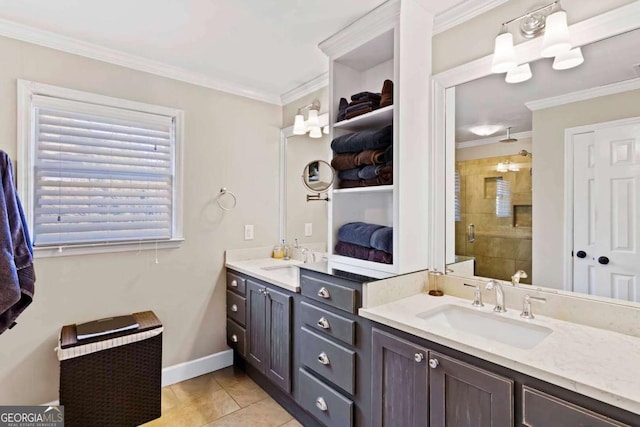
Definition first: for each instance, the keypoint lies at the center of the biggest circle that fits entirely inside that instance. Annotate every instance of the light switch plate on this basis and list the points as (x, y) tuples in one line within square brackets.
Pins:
[(308, 229), (248, 232)]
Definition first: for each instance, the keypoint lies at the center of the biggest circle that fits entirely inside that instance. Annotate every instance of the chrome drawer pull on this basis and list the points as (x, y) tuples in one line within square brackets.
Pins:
[(323, 323), (321, 404), (323, 358), (433, 363), (324, 293), (234, 283), (234, 308), (234, 338)]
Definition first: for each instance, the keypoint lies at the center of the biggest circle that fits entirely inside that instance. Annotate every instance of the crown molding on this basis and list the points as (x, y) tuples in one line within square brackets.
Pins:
[(492, 140), (304, 89), (89, 50), (463, 12), (374, 23), (583, 95)]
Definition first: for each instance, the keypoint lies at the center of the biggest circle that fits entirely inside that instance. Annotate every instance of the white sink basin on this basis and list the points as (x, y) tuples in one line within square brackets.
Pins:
[(492, 326), (287, 271)]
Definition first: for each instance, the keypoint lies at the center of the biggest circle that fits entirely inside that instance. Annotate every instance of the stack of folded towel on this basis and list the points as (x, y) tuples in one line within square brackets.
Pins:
[(365, 102), (370, 242), (364, 158)]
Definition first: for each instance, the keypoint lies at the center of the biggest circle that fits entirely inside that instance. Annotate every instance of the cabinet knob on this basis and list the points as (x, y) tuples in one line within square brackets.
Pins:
[(234, 338), (234, 307), (234, 283), (323, 323), (323, 358), (324, 293), (433, 363), (265, 292), (321, 404), (418, 357)]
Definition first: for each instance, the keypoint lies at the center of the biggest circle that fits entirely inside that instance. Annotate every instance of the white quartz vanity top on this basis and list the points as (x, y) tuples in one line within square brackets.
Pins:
[(267, 269), (601, 364)]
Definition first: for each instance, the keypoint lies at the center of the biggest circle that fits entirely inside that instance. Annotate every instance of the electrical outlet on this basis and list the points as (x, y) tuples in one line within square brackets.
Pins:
[(248, 232), (308, 229)]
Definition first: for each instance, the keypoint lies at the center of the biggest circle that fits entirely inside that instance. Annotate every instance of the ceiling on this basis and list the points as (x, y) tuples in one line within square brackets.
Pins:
[(265, 46), (491, 101)]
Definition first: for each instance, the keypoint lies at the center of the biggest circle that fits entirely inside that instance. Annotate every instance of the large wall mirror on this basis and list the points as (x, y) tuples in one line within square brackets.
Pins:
[(296, 152), (545, 174)]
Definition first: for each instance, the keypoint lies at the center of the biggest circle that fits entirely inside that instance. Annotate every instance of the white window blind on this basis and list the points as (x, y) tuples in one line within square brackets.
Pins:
[(101, 174)]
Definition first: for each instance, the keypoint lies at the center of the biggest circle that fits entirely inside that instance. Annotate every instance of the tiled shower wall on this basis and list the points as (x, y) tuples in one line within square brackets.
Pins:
[(502, 243)]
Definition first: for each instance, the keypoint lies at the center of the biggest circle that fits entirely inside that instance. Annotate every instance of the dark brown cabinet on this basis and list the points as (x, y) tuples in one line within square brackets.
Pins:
[(399, 382), (463, 395)]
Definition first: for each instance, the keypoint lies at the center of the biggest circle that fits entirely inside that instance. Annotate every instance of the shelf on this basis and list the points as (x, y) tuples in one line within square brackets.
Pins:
[(371, 189), (363, 267), (374, 119)]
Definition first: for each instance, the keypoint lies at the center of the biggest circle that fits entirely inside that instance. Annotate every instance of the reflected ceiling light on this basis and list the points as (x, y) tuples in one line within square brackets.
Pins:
[(519, 74), (502, 167), (312, 125), (485, 130), (569, 59), (550, 19), (507, 166)]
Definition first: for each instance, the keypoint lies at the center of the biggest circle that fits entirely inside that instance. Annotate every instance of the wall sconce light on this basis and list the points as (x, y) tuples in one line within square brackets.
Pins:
[(312, 125), (550, 19)]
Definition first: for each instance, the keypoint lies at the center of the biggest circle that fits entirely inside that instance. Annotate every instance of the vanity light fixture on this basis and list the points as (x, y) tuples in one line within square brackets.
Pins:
[(550, 19), (312, 125)]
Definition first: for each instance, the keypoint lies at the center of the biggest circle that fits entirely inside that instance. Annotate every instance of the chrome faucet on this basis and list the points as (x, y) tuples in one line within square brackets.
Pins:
[(526, 306), (477, 295), (305, 254), (499, 308), (520, 274)]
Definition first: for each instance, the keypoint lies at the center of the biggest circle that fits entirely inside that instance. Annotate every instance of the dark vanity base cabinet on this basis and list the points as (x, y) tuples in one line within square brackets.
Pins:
[(465, 391)]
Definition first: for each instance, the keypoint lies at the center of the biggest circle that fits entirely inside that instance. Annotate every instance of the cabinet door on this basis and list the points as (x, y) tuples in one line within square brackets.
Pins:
[(463, 395), (256, 328), (278, 338), (399, 382)]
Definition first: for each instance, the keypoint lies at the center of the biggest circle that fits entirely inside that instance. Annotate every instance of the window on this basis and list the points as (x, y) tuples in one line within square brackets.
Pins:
[(97, 174)]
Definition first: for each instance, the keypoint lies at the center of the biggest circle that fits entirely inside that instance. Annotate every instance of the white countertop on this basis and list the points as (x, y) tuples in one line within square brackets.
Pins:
[(267, 269), (601, 364)]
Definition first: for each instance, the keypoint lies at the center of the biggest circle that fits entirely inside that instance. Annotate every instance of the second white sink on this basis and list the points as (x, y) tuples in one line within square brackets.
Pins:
[(491, 326)]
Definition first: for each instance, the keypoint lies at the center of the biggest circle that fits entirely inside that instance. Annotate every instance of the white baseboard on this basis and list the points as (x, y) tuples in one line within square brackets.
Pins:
[(194, 368)]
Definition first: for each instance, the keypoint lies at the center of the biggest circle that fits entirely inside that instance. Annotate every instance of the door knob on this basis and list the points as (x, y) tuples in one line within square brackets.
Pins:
[(433, 363), (603, 260), (581, 254)]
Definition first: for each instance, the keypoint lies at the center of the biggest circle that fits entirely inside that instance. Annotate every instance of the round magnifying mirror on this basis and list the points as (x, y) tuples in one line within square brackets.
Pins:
[(318, 176)]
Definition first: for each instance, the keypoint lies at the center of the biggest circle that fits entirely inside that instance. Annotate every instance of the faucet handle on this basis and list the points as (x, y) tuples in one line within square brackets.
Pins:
[(526, 306), (491, 283), (477, 296)]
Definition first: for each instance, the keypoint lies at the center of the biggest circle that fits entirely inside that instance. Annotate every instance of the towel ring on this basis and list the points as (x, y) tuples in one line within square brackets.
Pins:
[(223, 192)]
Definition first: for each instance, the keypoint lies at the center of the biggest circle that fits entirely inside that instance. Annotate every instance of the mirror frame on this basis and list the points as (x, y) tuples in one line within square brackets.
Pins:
[(609, 24), (285, 133)]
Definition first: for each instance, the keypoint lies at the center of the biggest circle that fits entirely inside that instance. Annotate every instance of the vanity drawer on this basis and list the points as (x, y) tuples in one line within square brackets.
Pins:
[(329, 293), (236, 283), (540, 410), (335, 325), (236, 337), (327, 405), (236, 306), (332, 361)]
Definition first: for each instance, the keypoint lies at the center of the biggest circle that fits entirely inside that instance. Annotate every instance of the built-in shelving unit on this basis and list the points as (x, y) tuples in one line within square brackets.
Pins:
[(388, 43)]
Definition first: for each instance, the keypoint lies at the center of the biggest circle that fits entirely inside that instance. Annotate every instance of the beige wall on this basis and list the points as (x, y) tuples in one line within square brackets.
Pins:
[(548, 173), (474, 38), (229, 142)]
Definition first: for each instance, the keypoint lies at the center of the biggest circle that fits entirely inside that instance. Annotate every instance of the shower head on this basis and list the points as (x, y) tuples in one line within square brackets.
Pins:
[(508, 138), (525, 153)]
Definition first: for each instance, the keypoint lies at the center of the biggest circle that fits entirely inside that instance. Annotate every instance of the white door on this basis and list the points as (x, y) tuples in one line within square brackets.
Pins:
[(606, 212)]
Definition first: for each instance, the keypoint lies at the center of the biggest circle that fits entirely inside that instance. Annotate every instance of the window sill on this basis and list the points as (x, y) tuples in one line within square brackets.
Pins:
[(53, 251)]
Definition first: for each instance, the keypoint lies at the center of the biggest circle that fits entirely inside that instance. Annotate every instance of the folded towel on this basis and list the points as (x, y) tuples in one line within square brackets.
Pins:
[(385, 177), (349, 174), (360, 106), (346, 161), (342, 109), (387, 94), (368, 95), (363, 101), (358, 233), (382, 239), (352, 114), (360, 252), (369, 172), (370, 139), (388, 155)]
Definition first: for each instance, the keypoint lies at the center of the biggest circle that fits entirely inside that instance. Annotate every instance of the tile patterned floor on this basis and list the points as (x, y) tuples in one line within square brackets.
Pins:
[(225, 398)]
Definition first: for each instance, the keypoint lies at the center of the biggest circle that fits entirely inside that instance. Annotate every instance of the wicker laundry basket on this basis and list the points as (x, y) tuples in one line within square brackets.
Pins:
[(112, 380)]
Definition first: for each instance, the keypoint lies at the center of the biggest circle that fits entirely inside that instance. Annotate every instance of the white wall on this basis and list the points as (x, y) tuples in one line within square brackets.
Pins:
[(229, 141), (548, 173)]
